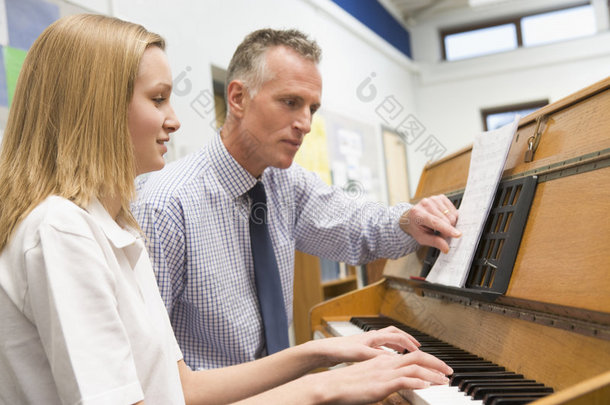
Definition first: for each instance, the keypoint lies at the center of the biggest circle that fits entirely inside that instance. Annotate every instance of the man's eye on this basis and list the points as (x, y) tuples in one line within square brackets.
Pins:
[(290, 103)]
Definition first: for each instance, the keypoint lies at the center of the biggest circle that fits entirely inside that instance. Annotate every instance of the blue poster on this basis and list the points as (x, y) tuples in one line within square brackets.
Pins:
[(26, 19)]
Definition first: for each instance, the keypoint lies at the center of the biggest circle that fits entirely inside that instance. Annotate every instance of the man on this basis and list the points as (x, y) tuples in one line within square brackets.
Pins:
[(196, 212)]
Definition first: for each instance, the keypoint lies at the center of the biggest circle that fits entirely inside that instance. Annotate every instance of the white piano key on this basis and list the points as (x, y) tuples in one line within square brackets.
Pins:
[(343, 328), (346, 328), (439, 394)]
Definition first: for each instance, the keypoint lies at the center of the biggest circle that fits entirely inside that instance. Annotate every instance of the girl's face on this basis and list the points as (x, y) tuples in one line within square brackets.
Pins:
[(150, 116)]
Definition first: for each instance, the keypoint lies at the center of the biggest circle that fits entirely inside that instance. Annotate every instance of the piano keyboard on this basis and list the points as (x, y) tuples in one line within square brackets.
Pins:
[(474, 381)]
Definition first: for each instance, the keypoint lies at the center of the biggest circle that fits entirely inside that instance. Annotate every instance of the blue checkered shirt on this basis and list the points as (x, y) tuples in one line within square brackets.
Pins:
[(195, 217)]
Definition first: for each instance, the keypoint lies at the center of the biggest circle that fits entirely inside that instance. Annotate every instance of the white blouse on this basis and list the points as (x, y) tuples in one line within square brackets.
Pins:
[(81, 318)]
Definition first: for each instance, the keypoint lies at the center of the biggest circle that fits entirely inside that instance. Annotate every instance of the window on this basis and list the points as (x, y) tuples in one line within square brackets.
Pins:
[(522, 31), (496, 117), (558, 25), (480, 42)]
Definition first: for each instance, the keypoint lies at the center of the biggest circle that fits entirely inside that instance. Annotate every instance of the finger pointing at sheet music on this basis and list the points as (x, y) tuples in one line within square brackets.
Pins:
[(431, 222)]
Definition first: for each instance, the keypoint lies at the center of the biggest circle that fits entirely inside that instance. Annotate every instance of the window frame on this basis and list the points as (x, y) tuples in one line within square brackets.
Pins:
[(514, 20), (485, 112)]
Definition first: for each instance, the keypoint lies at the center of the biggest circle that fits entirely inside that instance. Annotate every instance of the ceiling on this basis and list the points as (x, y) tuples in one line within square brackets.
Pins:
[(410, 11), (413, 11)]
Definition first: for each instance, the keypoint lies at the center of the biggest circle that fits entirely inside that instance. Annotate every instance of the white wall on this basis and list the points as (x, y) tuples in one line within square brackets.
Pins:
[(201, 33)]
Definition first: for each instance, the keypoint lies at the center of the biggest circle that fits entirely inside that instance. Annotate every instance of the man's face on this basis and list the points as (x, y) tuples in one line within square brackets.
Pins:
[(279, 115)]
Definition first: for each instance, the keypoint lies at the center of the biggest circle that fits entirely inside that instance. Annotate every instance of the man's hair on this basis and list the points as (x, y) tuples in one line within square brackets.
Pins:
[(248, 61), (67, 131)]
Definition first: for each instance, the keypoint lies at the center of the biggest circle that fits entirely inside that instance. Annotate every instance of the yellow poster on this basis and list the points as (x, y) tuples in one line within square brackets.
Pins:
[(313, 153)]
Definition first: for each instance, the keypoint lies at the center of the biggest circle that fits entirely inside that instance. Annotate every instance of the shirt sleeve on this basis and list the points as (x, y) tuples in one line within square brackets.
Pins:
[(71, 298), (341, 226), (166, 244)]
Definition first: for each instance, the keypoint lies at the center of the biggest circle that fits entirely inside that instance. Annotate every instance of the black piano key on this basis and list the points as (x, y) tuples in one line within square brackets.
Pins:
[(457, 378), (473, 365), (440, 346), (471, 389), (516, 398), (462, 362), (479, 367), (515, 401), (448, 350), (380, 322), (454, 357), (481, 392), (454, 354), (466, 357), (466, 384)]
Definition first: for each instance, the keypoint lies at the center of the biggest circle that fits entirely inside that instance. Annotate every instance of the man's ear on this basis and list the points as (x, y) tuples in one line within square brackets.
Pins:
[(237, 97)]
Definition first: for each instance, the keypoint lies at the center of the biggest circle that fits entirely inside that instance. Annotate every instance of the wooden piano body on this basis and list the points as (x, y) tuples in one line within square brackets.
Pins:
[(553, 322)]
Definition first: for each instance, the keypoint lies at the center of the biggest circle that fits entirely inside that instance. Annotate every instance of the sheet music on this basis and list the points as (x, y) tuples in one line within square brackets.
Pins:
[(489, 152)]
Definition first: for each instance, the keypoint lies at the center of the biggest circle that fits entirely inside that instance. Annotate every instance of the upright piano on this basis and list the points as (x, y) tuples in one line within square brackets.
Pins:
[(550, 323)]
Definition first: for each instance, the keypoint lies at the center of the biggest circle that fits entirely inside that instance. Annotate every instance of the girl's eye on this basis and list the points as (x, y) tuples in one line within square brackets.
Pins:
[(159, 100)]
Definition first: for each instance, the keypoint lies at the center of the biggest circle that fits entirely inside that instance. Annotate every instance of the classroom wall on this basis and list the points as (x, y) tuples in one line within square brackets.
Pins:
[(436, 105)]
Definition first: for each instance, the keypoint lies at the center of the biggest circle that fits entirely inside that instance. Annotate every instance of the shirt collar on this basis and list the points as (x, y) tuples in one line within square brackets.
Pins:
[(231, 175), (118, 236)]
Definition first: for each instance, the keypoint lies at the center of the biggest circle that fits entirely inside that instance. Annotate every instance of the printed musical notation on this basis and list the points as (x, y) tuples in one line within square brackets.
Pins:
[(489, 153)]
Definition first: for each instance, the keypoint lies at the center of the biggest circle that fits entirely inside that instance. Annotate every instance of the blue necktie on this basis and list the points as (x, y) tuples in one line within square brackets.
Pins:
[(266, 274)]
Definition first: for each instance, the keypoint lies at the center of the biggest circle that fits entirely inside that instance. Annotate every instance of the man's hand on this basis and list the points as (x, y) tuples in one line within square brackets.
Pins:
[(431, 222)]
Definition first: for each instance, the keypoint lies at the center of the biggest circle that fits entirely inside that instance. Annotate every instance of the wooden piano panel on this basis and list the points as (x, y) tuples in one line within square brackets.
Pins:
[(564, 256), (578, 125), (445, 175), (595, 391)]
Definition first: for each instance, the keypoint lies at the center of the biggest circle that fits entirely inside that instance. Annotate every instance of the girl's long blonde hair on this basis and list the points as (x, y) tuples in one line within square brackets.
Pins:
[(67, 132)]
